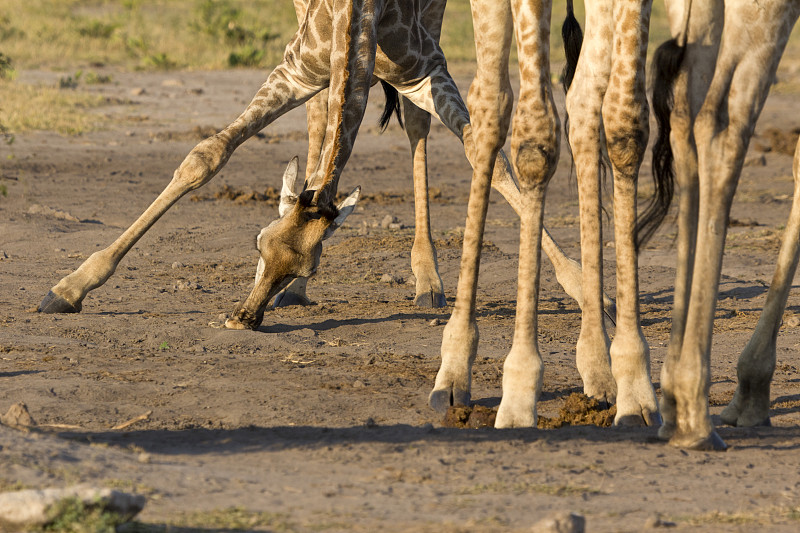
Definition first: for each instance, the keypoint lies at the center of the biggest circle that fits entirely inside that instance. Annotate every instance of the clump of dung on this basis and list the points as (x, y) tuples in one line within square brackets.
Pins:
[(580, 410), (469, 417)]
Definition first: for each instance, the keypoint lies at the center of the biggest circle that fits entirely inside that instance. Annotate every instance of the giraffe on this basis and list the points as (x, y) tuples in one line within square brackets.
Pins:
[(608, 109), (340, 45), (720, 64), (424, 265)]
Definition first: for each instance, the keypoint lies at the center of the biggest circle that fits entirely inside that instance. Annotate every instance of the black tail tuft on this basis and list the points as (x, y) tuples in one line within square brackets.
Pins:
[(572, 35), (392, 106), (666, 66)]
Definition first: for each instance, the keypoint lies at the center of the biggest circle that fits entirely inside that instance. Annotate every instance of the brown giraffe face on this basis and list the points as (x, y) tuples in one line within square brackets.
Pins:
[(290, 246)]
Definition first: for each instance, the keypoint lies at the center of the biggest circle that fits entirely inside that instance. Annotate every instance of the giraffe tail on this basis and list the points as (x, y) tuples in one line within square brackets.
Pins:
[(666, 66), (392, 106), (572, 35)]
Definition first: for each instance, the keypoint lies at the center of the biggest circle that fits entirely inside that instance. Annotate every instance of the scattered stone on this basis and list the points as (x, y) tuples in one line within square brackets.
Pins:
[(793, 321), (3, 255), (184, 285), (137, 91), (306, 332), (396, 225), (23, 510), (172, 83), (565, 522), (200, 348), (656, 521), (435, 322), (363, 229), (43, 210), (177, 264), (370, 423), (391, 278), (18, 417), (358, 384), (427, 427), (143, 458), (388, 220)]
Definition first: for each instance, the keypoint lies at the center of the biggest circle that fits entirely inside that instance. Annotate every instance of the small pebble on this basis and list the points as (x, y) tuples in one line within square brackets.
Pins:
[(177, 265), (358, 384), (793, 321), (137, 91), (435, 322), (370, 423), (388, 220)]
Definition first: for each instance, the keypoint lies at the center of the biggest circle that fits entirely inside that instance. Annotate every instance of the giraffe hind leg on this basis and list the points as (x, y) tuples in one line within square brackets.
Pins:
[(750, 403)]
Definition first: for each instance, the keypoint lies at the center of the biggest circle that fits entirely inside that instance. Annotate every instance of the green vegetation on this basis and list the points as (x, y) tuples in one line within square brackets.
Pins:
[(230, 519), (72, 516), (28, 107), (147, 34), (199, 34)]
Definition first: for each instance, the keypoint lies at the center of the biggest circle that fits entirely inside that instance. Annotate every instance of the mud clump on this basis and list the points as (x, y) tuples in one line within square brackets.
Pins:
[(271, 196), (472, 417), (580, 410)]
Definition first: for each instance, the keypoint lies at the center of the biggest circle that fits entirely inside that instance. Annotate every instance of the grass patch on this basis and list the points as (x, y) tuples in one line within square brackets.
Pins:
[(770, 515), (147, 34), (27, 107), (203, 34), (72, 516), (528, 488), (233, 518)]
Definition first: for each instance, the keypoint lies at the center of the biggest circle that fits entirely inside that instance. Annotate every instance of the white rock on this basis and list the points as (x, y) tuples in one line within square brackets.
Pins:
[(21, 510), (561, 523)]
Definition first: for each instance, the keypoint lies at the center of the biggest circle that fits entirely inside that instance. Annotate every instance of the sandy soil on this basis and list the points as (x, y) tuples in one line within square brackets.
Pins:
[(320, 416)]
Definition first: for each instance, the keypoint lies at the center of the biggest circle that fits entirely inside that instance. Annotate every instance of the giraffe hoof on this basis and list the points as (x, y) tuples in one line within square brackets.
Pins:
[(285, 299), (441, 400), (666, 431), (710, 443), (53, 303), (639, 420), (430, 299)]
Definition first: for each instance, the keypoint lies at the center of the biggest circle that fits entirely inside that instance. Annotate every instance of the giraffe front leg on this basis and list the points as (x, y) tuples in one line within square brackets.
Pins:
[(202, 163), (523, 368), (490, 102), (317, 121), (534, 150), (283, 90), (625, 121), (429, 287)]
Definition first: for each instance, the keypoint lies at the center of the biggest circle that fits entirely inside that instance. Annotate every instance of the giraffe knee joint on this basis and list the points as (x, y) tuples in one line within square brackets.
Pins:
[(202, 163)]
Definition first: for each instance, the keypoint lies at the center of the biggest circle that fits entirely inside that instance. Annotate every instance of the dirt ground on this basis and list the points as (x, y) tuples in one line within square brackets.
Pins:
[(319, 420)]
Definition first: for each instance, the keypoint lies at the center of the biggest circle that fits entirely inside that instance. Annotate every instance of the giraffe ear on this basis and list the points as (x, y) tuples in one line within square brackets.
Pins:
[(292, 187), (345, 208)]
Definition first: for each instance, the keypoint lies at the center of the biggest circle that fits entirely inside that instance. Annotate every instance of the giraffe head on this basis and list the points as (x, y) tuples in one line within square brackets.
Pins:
[(290, 246)]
